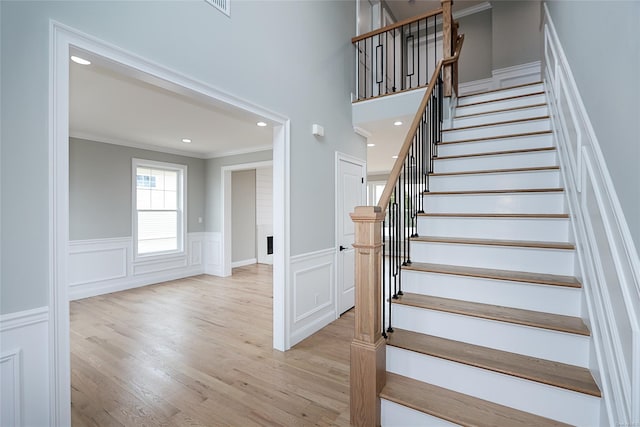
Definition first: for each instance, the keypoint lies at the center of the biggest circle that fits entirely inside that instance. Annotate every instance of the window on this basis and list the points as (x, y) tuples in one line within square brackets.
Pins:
[(158, 207)]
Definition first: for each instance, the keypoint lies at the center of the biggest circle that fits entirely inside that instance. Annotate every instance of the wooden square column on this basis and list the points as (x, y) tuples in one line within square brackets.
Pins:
[(368, 361), (447, 45)]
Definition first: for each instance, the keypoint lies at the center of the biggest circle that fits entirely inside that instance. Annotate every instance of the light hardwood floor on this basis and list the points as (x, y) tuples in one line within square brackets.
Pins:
[(198, 352)]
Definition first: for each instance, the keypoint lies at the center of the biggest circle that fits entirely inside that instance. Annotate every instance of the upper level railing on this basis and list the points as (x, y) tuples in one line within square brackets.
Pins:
[(378, 261), (398, 57)]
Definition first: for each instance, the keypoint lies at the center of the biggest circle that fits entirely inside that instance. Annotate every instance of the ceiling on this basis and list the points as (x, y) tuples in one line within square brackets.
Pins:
[(109, 103)]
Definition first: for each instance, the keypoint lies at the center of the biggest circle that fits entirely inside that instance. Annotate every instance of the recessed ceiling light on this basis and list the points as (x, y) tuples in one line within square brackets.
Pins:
[(261, 124), (397, 123), (371, 145), (394, 157), (186, 140), (79, 60)]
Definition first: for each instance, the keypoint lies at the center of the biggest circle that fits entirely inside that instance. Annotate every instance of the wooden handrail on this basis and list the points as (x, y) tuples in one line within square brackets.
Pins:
[(406, 145), (396, 25)]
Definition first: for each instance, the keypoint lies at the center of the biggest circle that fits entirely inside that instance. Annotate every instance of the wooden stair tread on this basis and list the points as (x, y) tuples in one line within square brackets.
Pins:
[(502, 110), (496, 153), (506, 122), (510, 170), (487, 138), (456, 407), (562, 375), (508, 98), (495, 242), (490, 273), (500, 89), (494, 215), (536, 319), (498, 191)]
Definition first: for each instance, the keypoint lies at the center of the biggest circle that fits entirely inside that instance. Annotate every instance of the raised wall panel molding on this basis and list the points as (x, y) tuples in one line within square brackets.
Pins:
[(503, 78), (24, 390), (213, 253), (607, 258), (11, 388), (312, 293), (100, 266)]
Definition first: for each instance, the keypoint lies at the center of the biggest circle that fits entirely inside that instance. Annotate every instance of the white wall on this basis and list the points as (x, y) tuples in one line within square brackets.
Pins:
[(609, 268)]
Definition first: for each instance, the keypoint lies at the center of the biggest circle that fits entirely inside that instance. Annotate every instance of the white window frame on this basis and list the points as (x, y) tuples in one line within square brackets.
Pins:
[(181, 208)]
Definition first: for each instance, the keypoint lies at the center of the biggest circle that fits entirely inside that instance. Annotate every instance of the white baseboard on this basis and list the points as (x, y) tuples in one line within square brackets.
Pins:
[(242, 263), (101, 266), (608, 263), (24, 361), (504, 77), (312, 293)]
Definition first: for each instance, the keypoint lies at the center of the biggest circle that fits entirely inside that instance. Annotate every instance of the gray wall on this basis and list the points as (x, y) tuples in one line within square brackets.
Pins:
[(302, 67), (100, 188), (214, 183), (243, 215), (476, 56), (600, 40), (508, 34)]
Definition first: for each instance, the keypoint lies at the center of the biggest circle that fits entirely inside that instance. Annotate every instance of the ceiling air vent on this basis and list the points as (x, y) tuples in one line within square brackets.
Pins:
[(223, 6)]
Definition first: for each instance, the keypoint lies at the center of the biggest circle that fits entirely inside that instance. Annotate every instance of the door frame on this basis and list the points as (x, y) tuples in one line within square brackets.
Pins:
[(227, 216), (363, 164), (62, 39)]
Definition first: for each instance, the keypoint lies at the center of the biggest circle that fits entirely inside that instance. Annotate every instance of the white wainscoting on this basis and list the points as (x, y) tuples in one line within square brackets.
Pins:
[(608, 261), (101, 266), (213, 249), (503, 78), (24, 375), (312, 293)]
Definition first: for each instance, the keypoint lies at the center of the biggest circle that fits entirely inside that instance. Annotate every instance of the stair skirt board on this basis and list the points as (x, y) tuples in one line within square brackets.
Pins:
[(543, 203), (496, 161), (396, 415), (526, 296), (501, 115), (537, 125), (546, 344), (500, 94), (534, 229), (538, 140), (541, 399), (535, 260), (533, 99)]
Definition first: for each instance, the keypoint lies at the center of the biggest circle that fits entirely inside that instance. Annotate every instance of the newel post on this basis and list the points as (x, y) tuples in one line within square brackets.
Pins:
[(368, 361), (447, 43)]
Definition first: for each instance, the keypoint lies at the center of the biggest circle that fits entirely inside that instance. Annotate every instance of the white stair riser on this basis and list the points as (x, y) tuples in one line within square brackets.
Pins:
[(535, 260), (529, 396), (501, 116), (504, 161), (538, 229), (394, 415), (497, 130), (526, 296), (496, 203), (496, 181), (536, 342), (501, 144), (462, 110), (490, 96)]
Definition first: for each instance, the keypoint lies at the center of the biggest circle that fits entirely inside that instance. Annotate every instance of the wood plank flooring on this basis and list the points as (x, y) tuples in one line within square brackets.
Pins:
[(198, 352)]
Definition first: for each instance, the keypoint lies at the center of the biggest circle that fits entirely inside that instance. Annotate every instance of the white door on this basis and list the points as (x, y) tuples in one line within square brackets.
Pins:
[(350, 193)]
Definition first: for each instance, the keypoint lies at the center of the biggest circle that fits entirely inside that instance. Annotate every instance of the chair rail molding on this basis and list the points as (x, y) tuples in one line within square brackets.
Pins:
[(608, 262)]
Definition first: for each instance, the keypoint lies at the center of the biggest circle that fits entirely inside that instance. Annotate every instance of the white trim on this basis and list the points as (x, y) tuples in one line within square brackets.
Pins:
[(360, 131), (472, 10), (476, 86), (245, 262), (24, 318), (608, 259), (61, 39), (254, 149), (14, 359), (504, 78), (227, 217)]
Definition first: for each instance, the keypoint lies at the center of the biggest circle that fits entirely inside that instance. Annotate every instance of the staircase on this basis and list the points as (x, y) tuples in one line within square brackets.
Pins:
[(488, 331)]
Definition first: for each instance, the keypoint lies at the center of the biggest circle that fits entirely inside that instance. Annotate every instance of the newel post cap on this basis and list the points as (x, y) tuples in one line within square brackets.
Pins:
[(367, 214)]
